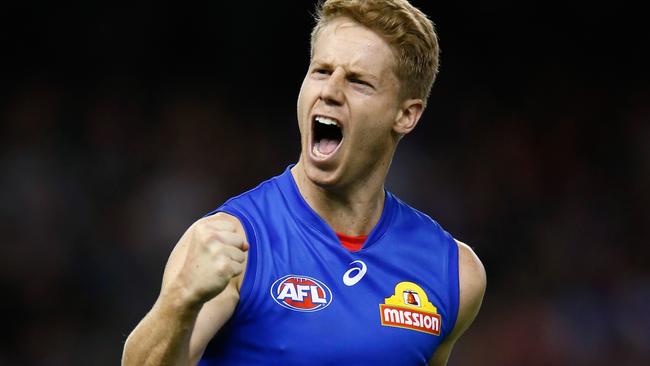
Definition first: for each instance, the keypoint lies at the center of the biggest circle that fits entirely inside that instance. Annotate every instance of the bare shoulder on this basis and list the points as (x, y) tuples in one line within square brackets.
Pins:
[(472, 277), (472, 281)]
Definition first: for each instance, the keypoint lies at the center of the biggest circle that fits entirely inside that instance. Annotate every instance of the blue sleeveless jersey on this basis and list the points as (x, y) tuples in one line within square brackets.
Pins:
[(306, 300)]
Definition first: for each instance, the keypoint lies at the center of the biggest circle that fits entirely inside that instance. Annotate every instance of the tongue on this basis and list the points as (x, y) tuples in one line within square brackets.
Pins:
[(326, 146)]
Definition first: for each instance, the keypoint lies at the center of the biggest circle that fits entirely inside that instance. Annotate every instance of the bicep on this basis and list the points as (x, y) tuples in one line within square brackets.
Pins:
[(472, 280)]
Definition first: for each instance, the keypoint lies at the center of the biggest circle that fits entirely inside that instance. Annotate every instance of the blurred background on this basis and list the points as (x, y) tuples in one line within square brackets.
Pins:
[(121, 124)]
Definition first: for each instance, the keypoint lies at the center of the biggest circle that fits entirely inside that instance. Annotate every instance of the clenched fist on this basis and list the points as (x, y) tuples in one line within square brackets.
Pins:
[(215, 253)]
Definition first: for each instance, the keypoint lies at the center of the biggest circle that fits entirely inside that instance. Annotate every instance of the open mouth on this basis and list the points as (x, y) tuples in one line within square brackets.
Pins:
[(327, 134)]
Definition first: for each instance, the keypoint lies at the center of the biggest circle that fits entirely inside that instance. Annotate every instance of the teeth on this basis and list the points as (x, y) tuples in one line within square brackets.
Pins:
[(326, 121)]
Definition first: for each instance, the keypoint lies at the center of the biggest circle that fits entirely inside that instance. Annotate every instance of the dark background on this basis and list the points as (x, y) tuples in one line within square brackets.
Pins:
[(121, 124)]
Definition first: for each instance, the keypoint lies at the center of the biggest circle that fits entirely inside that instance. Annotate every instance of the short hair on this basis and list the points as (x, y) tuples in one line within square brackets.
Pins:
[(408, 30)]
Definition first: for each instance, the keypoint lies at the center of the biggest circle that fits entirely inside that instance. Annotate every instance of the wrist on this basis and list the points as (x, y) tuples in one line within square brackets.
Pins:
[(180, 301)]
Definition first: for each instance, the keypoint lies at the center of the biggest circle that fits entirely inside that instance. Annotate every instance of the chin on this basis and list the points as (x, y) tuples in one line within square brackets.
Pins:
[(321, 176)]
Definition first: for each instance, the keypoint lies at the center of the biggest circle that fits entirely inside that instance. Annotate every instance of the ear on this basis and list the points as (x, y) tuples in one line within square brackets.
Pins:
[(408, 116)]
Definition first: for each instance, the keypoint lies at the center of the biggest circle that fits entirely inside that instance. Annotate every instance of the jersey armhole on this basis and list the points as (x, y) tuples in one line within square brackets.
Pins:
[(454, 284), (250, 279)]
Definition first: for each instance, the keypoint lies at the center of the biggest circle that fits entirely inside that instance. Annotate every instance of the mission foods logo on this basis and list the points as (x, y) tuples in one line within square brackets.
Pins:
[(301, 293), (409, 308)]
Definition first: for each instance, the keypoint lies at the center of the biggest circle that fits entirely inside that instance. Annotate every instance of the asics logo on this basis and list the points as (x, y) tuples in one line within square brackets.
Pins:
[(354, 274)]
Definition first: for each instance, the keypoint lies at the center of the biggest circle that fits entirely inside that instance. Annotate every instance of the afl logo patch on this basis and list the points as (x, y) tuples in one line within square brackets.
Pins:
[(301, 293)]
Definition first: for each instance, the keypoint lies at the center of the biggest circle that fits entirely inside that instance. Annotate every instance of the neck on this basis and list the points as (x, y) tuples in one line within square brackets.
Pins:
[(351, 210)]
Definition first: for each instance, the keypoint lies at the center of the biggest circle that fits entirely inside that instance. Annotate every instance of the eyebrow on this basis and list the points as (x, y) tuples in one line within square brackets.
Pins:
[(351, 73)]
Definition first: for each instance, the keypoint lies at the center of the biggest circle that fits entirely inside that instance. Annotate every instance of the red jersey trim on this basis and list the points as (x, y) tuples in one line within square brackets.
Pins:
[(352, 243)]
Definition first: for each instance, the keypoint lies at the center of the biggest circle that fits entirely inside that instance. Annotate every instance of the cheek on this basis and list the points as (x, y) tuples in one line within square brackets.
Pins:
[(375, 130), (307, 97), (306, 94), (367, 137), (302, 107)]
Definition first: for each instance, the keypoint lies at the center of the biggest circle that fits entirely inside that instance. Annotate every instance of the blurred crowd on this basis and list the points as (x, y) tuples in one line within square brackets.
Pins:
[(91, 209), (548, 183)]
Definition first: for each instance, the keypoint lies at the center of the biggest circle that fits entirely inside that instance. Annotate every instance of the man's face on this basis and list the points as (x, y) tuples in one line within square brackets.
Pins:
[(348, 104)]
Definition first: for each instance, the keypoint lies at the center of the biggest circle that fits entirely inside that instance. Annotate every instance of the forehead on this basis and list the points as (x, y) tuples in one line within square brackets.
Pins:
[(345, 42)]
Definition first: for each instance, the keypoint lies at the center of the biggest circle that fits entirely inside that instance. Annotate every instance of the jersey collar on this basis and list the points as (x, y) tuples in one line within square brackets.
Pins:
[(303, 213)]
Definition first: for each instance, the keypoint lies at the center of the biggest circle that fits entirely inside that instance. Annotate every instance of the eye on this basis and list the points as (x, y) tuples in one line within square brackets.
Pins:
[(361, 85), (360, 82), (322, 71)]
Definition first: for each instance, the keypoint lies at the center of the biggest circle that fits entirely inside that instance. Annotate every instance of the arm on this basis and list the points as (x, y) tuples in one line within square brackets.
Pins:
[(199, 292), (472, 280)]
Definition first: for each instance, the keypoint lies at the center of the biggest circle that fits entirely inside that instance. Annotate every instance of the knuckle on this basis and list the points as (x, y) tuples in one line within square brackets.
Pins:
[(213, 251), (222, 266), (237, 269), (236, 237), (224, 224), (219, 250), (200, 223), (229, 238), (202, 236), (220, 236)]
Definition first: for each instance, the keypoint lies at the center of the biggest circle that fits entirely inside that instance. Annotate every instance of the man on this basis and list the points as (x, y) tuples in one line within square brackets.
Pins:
[(321, 265)]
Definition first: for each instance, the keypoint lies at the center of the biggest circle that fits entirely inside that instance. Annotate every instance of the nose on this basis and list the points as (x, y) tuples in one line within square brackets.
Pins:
[(331, 92)]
